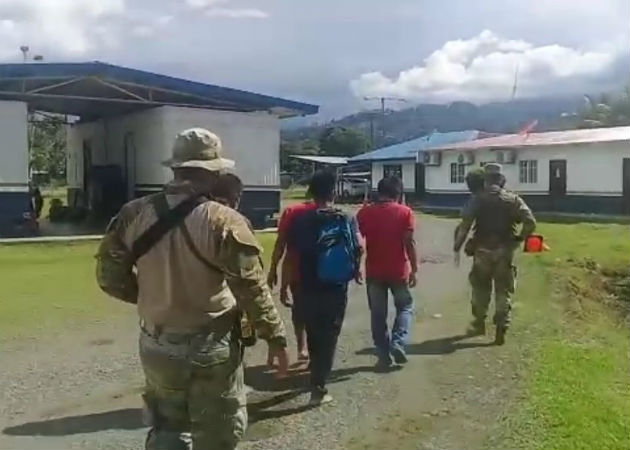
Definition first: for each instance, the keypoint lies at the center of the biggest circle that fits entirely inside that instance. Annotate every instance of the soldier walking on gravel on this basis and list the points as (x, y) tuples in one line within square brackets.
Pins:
[(190, 264), (495, 213)]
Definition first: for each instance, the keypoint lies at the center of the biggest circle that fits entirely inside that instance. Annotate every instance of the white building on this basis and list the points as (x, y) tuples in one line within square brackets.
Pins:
[(127, 121), (404, 159), (576, 171)]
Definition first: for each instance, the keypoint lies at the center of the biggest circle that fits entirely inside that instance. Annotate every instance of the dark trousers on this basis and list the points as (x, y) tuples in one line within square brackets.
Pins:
[(324, 313)]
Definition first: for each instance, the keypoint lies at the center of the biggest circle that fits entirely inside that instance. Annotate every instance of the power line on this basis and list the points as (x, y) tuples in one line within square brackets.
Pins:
[(383, 100)]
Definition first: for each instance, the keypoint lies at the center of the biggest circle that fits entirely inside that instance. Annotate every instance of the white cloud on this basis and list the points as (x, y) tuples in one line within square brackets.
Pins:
[(483, 68), (143, 31), (201, 4), (63, 27), (151, 27), (236, 13), (213, 8), (163, 20)]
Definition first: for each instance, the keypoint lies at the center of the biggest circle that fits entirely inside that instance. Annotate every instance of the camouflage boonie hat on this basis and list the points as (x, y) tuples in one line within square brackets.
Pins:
[(198, 147)]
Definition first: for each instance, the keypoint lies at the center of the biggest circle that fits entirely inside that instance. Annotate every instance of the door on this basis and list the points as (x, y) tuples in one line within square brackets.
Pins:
[(626, 185), (87, 172), (420, 183), (130, 165), (558, 177)]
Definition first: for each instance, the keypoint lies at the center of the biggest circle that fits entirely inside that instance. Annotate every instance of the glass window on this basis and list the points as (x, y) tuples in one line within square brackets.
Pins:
[(458, 173), (528, 171), (392, 170)]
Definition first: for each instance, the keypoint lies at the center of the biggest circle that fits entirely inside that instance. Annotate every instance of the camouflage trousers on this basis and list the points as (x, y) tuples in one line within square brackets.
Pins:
[(194, 394), (493, 267)]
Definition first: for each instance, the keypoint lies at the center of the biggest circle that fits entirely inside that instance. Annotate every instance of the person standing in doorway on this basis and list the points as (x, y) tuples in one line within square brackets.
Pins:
[(391, 265), (328, 249)]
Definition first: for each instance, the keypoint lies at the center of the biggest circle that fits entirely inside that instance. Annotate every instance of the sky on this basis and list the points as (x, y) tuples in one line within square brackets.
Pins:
[(334, 53)]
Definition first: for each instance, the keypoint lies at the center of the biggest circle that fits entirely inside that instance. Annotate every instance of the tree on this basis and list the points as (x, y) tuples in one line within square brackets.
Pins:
[(339, 141), (302, 147), (48, 146), (609, 111)]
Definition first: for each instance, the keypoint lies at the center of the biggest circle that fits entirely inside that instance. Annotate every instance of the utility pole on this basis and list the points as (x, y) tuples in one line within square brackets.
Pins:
[(24, 49), (383, 100), (515, 82)]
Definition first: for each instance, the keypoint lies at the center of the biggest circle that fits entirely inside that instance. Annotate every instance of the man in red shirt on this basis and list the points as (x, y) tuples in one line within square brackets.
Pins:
[(391, 265), (290, 274)]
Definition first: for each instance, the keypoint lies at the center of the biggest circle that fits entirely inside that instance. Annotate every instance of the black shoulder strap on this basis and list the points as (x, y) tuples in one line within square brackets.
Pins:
[(167, 220)]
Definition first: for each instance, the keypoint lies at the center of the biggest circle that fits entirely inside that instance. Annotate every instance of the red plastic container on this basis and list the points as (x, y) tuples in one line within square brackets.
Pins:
[(534, 244)]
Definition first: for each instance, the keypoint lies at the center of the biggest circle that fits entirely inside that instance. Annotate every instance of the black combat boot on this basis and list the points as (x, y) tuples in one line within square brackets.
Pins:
[(499, 337)]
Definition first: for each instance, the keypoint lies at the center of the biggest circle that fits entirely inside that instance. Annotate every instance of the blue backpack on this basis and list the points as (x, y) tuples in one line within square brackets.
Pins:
[(336, 247)]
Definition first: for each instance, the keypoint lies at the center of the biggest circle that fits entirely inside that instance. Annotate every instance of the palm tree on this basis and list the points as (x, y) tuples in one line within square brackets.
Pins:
[(610, 111)]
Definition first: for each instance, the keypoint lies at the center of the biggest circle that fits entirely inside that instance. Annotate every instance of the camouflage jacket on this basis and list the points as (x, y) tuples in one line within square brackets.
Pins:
[(176, 290), (495, 214)]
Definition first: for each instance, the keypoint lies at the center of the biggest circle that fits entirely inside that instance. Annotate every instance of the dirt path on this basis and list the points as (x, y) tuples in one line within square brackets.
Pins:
[(81, 390)]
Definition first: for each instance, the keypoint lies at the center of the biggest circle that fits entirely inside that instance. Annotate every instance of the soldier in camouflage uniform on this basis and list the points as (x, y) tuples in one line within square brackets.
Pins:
[(189, 287), (475, 183), (495, 213)]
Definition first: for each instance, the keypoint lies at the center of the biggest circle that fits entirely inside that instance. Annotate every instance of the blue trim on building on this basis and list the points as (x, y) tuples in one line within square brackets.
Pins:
[(578, 204), (13, 205)]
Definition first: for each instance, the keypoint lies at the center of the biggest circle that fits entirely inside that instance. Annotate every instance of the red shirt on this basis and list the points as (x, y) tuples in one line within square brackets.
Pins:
[(284, 224), (384, 225)]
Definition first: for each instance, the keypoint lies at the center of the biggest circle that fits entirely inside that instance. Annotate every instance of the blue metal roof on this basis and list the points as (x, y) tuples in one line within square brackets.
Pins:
[(97, 89), (409, 149)]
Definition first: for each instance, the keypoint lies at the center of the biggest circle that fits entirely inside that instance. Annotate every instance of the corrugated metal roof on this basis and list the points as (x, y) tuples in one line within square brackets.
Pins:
[(584, 136), (98, 89), (409, 149), (332, 160)]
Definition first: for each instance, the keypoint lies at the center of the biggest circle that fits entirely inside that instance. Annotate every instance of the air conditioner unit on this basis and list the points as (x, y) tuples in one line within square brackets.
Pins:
[(467, 158), (509, 157), (506, 156), (432, 158)]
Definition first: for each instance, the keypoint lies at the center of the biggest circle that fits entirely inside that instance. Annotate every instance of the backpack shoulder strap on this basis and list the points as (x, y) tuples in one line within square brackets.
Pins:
[(167, 220)]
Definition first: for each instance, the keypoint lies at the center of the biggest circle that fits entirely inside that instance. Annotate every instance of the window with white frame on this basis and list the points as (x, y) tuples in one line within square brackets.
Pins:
[(458, 173), (528, 171)]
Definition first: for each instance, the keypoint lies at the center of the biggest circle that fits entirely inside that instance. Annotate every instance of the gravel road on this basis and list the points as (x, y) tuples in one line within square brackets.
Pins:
[(79, 389)]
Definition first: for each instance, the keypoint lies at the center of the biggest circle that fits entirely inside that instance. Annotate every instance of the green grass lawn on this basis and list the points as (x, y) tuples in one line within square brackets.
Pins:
[(48, 286), (294, 193), (578, 391)]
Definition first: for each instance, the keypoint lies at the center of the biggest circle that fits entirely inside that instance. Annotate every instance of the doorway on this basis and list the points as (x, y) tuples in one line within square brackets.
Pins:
[(420, 180), (130, 165), (558, 177), (626, 185), (87, 172)]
